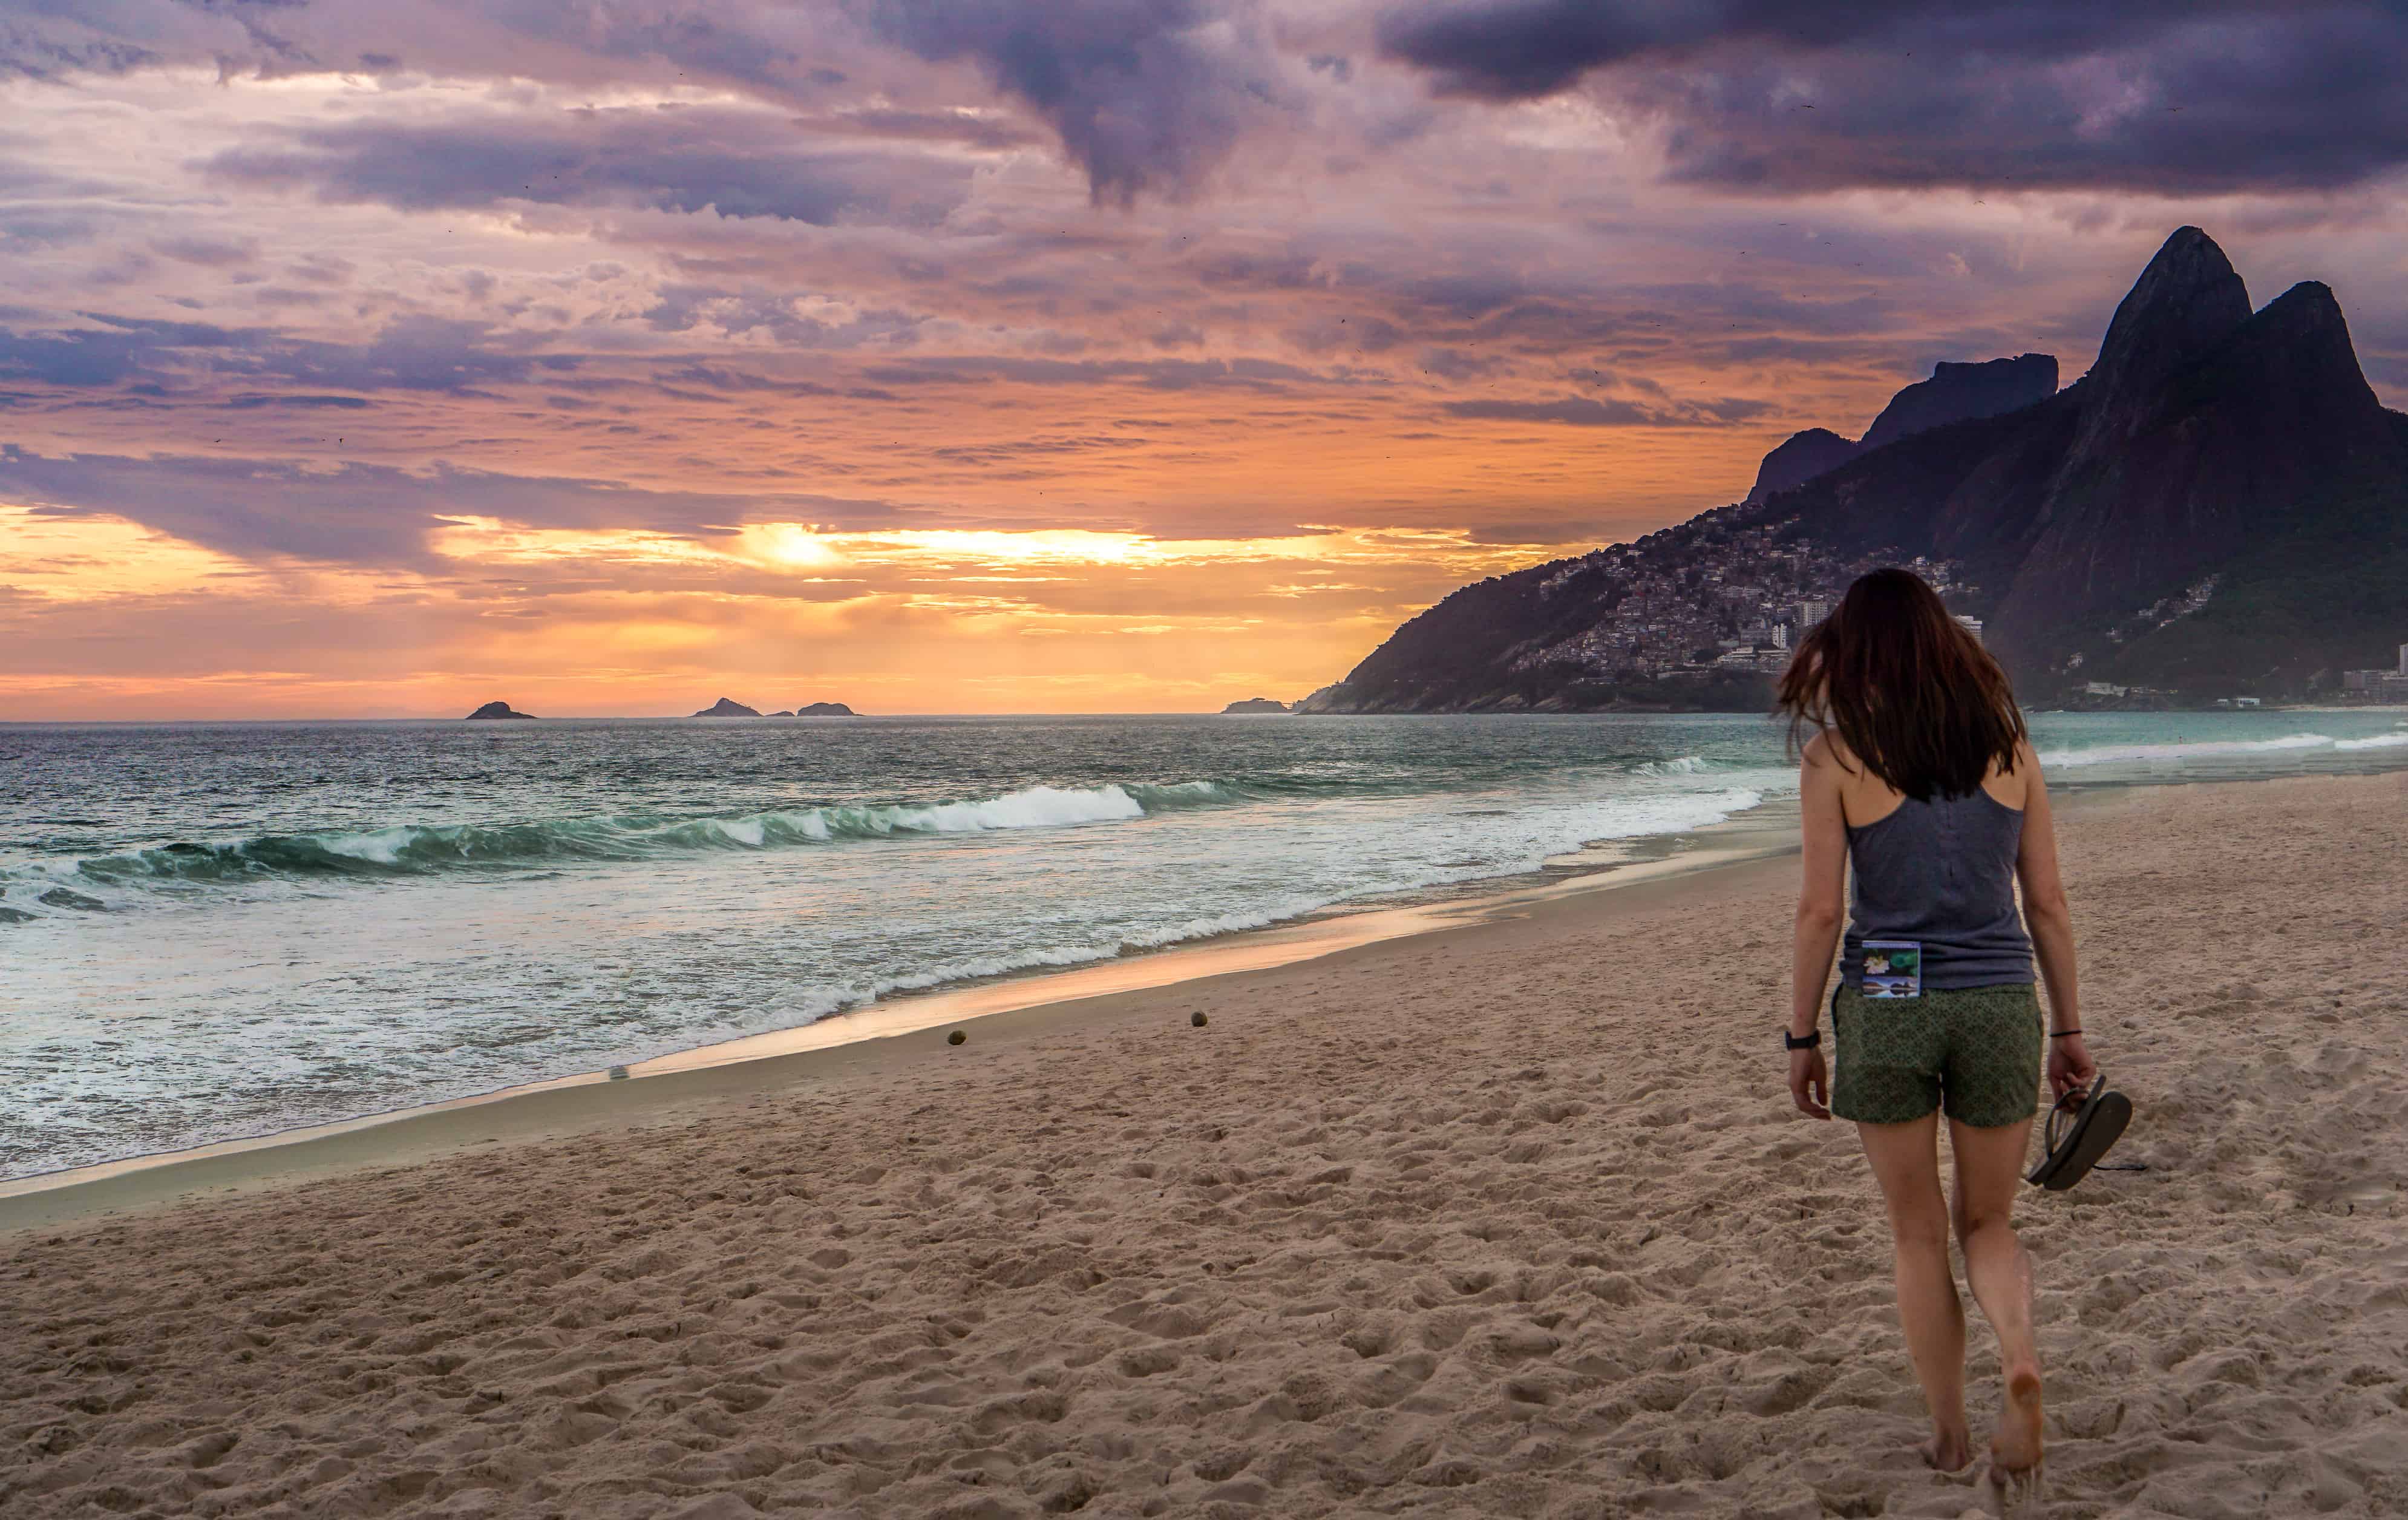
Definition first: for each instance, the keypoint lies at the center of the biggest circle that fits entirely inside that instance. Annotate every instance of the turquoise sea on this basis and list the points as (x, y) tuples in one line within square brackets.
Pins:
[(210, 931)]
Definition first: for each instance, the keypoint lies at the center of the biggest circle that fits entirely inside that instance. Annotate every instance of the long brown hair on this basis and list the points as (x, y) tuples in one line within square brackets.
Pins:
[(1910, 691)]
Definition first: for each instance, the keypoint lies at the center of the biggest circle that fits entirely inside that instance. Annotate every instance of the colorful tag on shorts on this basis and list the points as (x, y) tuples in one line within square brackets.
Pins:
[(1893, 968)]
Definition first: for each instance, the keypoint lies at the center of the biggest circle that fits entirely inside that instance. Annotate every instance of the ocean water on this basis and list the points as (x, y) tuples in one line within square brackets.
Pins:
[(216, 931)]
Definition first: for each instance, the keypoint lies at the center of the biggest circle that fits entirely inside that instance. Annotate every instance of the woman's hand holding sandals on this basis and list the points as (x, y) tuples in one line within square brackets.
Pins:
[(2069, 1067)]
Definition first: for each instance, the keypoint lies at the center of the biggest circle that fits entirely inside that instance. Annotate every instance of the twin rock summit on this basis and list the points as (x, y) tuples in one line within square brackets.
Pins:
[(2218, 507)]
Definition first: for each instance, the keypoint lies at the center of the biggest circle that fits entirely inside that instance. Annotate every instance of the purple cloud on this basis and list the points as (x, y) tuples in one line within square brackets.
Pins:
[(377, 514), (425, 353), (737, 162), (2153, 95), (1146, 94)]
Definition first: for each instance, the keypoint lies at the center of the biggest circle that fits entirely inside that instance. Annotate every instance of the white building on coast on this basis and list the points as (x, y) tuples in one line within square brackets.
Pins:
[(2380, 685)]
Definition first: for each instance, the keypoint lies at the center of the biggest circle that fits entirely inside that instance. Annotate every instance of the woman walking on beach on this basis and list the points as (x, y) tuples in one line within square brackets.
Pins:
[(1919, 773)]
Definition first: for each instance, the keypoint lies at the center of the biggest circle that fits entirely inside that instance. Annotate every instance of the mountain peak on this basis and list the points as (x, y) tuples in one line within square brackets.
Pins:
[(1799, 458), (1957, 392), (2221, 506), (2299, 348), (2185, 301), (2308, 305)]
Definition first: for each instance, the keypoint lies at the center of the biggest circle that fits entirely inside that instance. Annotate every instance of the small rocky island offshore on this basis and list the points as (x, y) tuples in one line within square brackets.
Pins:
[(727, 707), (1256, 704), (500, 709)]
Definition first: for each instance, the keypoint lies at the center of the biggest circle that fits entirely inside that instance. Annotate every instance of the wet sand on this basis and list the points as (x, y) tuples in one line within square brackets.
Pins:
[(1508, 1219)]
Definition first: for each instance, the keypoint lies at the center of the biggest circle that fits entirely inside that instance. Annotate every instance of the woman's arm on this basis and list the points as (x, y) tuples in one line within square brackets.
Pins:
[(2051, 923), (1822, 898)]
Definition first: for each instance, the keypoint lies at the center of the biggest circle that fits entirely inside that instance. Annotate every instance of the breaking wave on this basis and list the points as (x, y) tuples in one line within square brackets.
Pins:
[(425, 849), (1687, 765)]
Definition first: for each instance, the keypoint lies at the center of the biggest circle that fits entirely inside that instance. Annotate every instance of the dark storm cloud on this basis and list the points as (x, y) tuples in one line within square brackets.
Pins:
[(39, 46), (411, 353), (2200, 96), (375, 515), (83, 357), (1146, 94), (51, 39), (253, 401), (1520, 50), (741, 164), (246, 508)]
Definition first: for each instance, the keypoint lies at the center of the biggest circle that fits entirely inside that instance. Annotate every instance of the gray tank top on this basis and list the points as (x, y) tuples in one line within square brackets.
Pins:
[(1942, 873)]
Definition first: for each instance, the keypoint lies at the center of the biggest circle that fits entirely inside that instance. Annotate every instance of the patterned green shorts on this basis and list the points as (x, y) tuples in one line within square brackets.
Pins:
[(1977, 1048)]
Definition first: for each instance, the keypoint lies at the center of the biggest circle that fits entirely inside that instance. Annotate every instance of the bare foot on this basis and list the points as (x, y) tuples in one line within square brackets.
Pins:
[(2014, 1452), (1951, 1451)]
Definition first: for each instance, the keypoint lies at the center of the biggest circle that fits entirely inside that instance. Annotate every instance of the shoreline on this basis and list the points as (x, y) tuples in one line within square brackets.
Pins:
[(859, 1039), (570, 1103), (1511, 1217)]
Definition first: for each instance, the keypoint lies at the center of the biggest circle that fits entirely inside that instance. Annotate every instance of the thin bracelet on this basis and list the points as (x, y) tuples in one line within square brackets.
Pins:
[(2060, 1034)]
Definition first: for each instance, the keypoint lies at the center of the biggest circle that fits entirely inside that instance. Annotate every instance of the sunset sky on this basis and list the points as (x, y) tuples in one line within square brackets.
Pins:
[(1031, 355)]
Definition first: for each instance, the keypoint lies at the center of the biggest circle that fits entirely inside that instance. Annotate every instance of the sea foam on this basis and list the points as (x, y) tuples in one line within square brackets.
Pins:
[(2106, 755), (1687, 765)]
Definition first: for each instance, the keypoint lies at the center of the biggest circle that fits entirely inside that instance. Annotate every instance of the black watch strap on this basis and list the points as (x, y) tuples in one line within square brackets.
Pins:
[(1791, 1042)]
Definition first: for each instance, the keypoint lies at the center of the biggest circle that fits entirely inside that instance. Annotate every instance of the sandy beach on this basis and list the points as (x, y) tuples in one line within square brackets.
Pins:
[(1514, 1219)]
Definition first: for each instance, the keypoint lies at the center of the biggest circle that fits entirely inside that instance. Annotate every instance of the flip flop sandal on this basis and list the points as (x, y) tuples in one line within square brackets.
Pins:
[(2080, 1129)]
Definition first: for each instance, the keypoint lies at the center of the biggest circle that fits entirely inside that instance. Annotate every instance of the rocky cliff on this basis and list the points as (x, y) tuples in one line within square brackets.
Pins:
[(1799, 458), (2219, 507), (1954, 393)]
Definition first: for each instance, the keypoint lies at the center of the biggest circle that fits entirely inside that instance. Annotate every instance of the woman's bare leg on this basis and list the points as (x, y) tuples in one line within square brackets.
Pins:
[(1906, 1161), (1989, 1170)]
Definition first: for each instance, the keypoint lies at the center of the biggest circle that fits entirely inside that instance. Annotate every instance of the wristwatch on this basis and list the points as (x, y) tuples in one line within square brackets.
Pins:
[(1791, 1042)]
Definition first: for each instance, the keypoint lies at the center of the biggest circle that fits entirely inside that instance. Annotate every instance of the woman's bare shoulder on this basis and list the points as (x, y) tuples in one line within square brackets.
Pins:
[(2014, 784), (2028, 766), (1829, 749)]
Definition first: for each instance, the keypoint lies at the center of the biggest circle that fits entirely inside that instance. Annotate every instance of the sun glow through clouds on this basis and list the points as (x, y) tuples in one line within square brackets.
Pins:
[(597, 363)]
